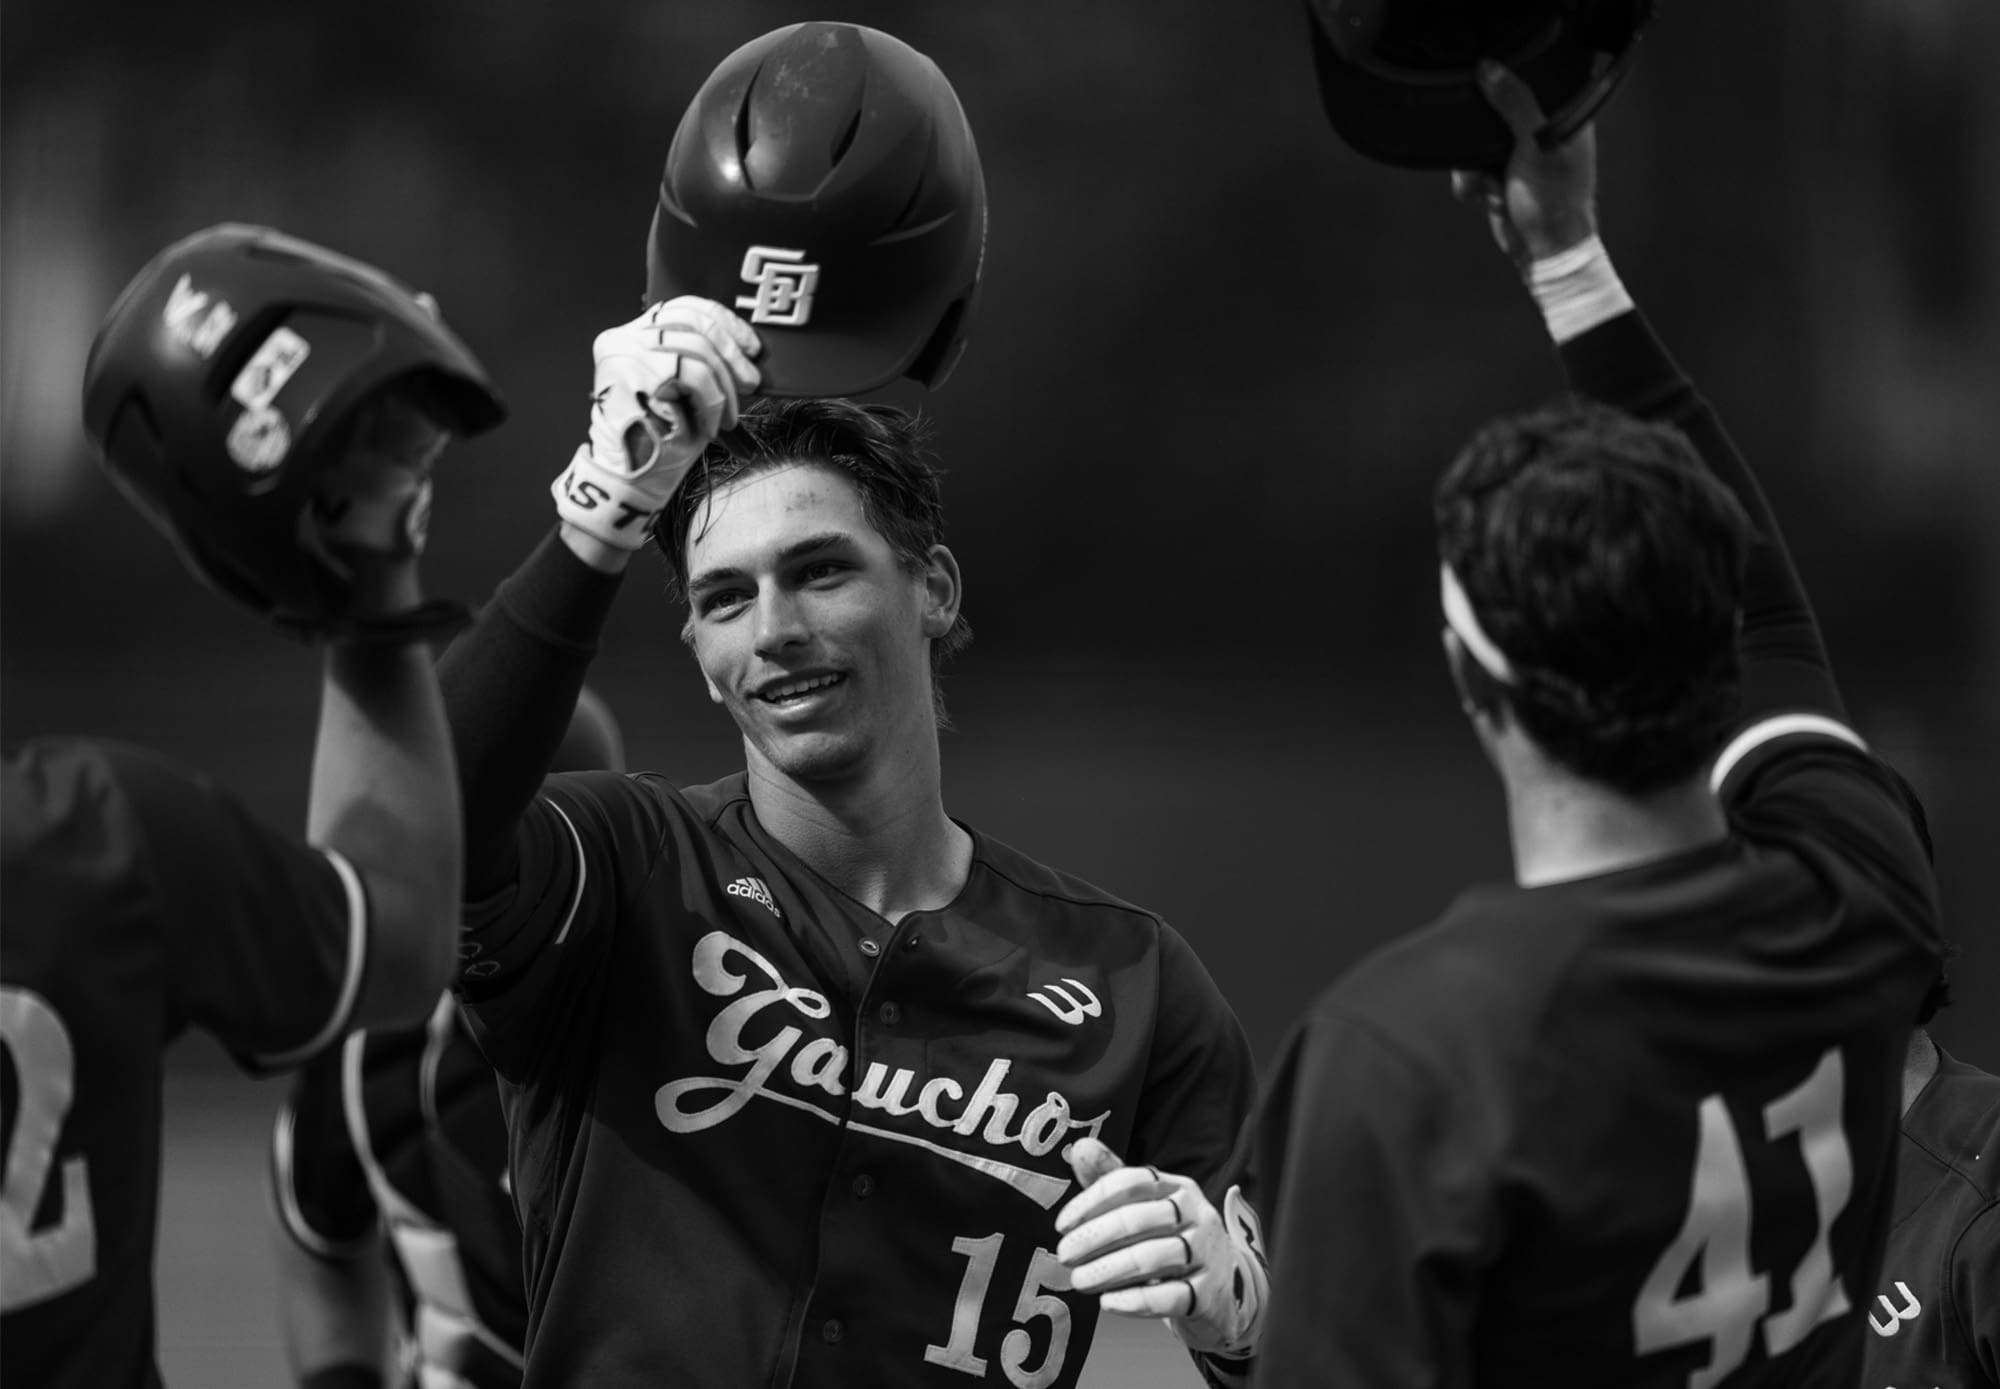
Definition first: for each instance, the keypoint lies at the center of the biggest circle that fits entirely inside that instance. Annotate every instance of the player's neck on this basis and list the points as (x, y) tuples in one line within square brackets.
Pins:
[(1920, 1063), (881, 836), (1565, 827)]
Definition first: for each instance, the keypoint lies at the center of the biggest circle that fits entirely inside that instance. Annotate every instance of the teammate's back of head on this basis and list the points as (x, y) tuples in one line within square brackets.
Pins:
[(1601, 571)]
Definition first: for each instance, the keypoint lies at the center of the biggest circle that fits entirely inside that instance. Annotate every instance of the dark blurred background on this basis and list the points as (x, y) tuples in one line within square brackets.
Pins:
[(1219, 363)]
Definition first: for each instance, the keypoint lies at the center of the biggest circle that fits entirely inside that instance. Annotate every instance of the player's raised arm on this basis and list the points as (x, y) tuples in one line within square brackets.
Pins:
[(665, 385), (1543, 213), (384, 793)]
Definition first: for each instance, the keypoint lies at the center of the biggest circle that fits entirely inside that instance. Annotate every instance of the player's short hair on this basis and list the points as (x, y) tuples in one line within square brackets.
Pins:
[(1606, 562), (882, 449)]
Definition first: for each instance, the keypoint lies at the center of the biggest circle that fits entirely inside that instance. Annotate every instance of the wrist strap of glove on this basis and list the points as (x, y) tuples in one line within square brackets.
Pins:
[(1577, 289), (605, 504)]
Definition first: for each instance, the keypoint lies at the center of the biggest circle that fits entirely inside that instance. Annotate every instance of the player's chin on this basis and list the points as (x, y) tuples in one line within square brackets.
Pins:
[(814, 755)]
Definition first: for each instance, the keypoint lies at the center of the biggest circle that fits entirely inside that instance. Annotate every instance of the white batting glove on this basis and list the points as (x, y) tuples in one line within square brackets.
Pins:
[(666, 384), (1152, 1244)]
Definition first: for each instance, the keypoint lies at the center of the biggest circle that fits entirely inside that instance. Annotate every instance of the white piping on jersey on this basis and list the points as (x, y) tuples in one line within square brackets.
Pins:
[(582, 872), (395, 1207), (1777, 726), (437, 1036), (428, 1251), (350, 986), (285, 1184)]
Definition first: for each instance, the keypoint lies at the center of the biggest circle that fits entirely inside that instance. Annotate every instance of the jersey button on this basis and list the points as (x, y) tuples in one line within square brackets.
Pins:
[(869, 947), (912, 942), (864, 1186), (832, 1331), (891, 1014)]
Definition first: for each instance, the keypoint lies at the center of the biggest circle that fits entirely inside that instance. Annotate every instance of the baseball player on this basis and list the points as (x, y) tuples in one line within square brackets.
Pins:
[(141, 899), (795, 1064), (389, 1159), (1935, 1317), (1629, 1119)]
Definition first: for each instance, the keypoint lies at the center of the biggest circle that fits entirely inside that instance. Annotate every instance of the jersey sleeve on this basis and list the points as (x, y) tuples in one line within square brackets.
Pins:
[(1975, 1293), (317, 1183), (1200, 1079), (1375, 1201), (266, 937), (528, 954)]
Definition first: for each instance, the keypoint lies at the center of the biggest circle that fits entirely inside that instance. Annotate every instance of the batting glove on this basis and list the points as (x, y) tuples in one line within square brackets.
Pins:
[(1152, 1244), (667, 383)]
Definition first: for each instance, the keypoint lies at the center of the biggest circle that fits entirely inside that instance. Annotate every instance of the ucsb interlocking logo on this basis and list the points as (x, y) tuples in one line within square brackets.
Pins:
[(1072, 1009), (785, 286), (1896, 1315)]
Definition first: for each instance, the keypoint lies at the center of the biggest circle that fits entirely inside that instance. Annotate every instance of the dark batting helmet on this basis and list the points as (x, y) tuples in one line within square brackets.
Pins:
[(824, 183), (217, 389), (1398, 77)]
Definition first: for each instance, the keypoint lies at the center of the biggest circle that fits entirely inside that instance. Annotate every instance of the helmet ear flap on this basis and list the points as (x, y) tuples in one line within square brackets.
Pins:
[(946, 345)]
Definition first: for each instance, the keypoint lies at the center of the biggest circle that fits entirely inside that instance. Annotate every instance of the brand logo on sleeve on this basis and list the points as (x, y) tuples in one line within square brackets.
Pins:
[(756, 891), (1897, 1315), (810, 1074), (1073, 1007)]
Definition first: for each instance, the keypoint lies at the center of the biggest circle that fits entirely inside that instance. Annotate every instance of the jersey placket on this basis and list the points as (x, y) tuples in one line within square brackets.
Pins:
[(829, 1347)]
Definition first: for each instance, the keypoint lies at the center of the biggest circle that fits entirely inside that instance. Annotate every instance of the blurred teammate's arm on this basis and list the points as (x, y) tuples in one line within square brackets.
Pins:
[(385, 797), (1543, 214)]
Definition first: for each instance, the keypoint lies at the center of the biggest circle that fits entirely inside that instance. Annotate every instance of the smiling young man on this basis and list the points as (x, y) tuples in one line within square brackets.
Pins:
[(795, 1064)]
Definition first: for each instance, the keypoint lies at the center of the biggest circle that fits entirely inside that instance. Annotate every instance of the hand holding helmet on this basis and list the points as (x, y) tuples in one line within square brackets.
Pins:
[(1545, 201), (665, 385)]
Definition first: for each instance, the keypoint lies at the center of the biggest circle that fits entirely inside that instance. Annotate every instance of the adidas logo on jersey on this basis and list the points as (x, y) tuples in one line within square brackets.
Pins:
[(754, 889)]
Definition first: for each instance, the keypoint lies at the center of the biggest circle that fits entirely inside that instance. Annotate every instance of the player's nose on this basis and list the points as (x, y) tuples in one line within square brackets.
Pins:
[(778, 622)]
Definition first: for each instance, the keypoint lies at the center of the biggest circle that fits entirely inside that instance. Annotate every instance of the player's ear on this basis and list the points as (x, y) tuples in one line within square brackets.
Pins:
[(944, 590), (687, 636), (1479, 694)]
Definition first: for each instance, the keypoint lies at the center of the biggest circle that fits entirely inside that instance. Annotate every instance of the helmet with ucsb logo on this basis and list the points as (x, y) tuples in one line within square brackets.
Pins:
[(825, 185)]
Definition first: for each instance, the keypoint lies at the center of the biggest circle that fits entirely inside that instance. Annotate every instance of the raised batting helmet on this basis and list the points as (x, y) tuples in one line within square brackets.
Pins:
[(217, 388), (825, 184), (1398, 77)]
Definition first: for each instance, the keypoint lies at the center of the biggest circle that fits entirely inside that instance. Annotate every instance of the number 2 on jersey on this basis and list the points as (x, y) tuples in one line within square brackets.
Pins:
[(1732, 1298), (36, 1266), (1044, 1272)]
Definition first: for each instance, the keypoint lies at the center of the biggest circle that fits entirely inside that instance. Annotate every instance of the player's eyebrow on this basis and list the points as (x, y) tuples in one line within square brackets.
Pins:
[(797, 550)]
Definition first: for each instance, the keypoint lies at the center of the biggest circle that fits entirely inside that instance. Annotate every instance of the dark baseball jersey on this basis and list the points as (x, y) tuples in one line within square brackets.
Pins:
[(1935, 1316), (760, 1136), (139, 901), (401, 1130), (1636, 1128)]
